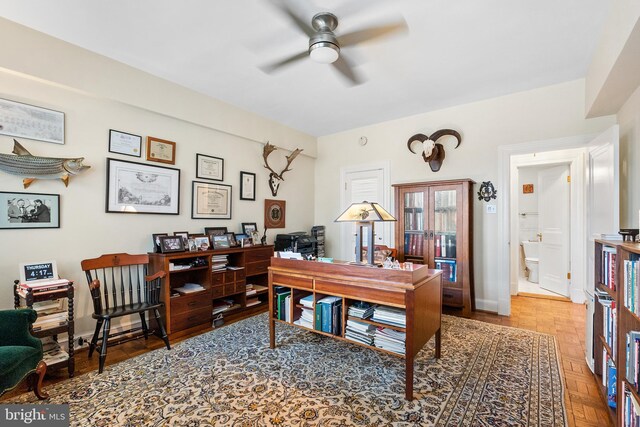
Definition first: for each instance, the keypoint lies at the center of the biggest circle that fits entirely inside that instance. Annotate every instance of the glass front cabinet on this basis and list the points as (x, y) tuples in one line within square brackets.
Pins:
[(435, 227)]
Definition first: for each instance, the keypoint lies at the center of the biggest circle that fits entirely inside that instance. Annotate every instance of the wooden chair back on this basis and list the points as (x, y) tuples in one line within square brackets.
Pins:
[(118, 281), (393, 252)]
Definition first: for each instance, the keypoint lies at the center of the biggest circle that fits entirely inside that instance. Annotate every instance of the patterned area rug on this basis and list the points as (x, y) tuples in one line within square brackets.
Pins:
[(488, 376)]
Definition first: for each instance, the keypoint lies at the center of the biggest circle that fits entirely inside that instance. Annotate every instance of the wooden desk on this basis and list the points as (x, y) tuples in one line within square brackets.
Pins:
[(419, 292)]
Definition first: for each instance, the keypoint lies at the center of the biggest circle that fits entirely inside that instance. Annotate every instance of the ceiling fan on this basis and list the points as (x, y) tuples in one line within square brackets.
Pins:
[(324, 45)]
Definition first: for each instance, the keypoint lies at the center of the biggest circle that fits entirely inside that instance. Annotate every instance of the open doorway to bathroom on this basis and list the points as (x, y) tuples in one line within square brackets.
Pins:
[(544, 205)]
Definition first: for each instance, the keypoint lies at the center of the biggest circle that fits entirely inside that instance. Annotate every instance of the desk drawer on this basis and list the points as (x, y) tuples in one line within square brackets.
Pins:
[(217, 279), (188, 303), (298, 282), (228, 276), (365, 292), (189, 319), (452, 297), (217, 291), (258, 267), (258, 254)]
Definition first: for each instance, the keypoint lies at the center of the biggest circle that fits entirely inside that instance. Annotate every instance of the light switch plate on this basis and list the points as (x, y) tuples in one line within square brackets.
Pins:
[(491, 209)]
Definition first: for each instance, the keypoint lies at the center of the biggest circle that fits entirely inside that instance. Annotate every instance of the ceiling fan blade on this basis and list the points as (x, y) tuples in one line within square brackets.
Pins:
[(272, 67), (302, 25), (347, 71), (367, 34)]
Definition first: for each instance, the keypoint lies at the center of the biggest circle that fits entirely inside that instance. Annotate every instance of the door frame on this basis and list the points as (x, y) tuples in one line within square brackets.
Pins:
[(386, 203), (538, 150)]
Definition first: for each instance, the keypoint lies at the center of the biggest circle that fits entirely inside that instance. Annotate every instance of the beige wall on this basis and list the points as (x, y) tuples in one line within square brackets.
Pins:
[(86, 230), (629, 120), (541, 114)]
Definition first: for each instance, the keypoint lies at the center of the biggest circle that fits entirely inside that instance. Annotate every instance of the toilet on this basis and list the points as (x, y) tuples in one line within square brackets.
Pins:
[(531, 259)]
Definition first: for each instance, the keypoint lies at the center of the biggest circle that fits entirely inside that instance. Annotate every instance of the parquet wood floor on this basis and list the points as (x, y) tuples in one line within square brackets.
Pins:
[(563, 319)]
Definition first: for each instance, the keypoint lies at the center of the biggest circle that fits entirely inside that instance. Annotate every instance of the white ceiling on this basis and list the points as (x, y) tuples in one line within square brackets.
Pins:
[(455, 51)]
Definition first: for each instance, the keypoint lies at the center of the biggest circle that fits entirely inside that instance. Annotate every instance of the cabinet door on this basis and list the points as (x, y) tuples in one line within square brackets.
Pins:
[(444, 238), (415, 221)]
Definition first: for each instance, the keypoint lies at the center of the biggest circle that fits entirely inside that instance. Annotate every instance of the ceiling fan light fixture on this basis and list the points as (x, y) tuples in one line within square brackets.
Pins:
[(324, 52)]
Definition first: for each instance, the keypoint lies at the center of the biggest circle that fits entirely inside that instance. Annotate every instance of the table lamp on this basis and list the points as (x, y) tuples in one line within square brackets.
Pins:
[(364, 215)]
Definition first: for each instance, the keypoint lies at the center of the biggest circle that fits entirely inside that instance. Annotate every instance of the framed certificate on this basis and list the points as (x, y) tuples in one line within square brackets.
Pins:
[(161, 150), (125, 143), (211, 201), (209, 167), (247, 186)]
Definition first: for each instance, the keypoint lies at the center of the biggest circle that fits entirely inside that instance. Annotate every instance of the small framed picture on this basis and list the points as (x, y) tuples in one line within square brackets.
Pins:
[(240, 237), (215, 231), (211, 201), (249, 227), (184, 235), (255, 237), (156, 241), (161, 150), (220, 242), (29, 210), (247, 186), (274, 213), (527, 188), (202, 243), (170, 244), (232, 239), (125, 143), (209, 167), (191, 245)]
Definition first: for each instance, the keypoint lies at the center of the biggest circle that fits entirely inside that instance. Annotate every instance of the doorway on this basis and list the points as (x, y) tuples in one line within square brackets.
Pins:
[(543, 209)]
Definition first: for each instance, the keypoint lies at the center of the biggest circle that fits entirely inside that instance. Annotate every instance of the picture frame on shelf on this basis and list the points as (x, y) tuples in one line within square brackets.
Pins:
[(161, 150), (210, 201), (202, 243), (232, 239), (125, 143), (138, 188), (220, 242), (215, 231), (184, 235), (247, 186), (169, 244), (209, 167), (255, 238), (29, 210), (274, 213), (156, 241), (248, 227), (22, 120), (191, 245)]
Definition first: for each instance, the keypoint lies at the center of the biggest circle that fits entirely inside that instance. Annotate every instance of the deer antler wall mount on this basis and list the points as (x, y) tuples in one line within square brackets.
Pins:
[(432, 152), (276, 178)]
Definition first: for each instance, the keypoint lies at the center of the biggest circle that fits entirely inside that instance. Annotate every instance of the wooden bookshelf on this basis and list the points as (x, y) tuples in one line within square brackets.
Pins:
[(417, 291), (625, 320)]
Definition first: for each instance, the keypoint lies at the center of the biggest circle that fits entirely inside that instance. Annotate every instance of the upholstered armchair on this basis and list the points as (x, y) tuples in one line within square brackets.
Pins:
[(20, 353)]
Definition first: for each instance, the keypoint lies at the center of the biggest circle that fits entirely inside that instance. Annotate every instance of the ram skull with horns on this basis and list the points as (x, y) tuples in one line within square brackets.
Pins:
[(432, 152)]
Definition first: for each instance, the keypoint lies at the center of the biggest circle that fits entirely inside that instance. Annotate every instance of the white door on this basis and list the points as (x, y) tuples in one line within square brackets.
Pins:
[(602, 207), (359, 186), (554, 208)]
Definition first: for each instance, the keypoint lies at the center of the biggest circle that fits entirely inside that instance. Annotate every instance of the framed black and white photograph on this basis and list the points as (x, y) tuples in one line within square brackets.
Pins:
[(209, 167), (247, 186), (191, 244), (138, 188), (156, 241), (29, 210), (210, 201), (215, 231), (125, 143), (170, 244), (31, 122), (249, 227), (232, 239), (184, 235), (220, 242)]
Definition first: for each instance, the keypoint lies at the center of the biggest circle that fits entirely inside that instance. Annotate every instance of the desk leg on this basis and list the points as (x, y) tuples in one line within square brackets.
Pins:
[(409, 377), (438, 342), (272, 323)]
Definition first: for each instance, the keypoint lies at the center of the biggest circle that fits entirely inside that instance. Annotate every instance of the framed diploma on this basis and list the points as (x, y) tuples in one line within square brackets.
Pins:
[(161, 150), (211, 201), (125, 143), (247, 186), (208, 167)]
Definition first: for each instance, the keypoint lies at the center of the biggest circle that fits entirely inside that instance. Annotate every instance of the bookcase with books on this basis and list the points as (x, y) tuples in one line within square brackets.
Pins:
[(204, 287), (435, 227), (54, 320), (617, 328)]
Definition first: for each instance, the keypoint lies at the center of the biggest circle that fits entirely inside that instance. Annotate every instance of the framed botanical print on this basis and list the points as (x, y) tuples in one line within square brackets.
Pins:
[(161, 150), (247, 186), (210, 201), (274, 213), (209, 167)]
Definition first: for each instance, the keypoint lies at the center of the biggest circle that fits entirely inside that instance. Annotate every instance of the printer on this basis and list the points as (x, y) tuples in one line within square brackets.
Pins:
[(298, 241)]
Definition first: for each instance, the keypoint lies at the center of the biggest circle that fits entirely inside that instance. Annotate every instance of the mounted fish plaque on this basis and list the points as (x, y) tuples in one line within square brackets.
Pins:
[(23, 163)]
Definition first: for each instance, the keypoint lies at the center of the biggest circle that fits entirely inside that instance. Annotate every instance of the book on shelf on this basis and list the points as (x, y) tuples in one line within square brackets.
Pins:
[(361, 309), (632, 351), (281, 295), (189, 288), (390, 315), (260, 288), (610, 321), (608, 267), (328, 314), (609, 376), (287, 308), (360, 332), (307, 301), (55, 355), (390, 339), (630, 285), (630, 409), (449, 269), (252, 301)]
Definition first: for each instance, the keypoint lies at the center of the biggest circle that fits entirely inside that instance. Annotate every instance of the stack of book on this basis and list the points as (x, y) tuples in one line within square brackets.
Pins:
[(306, 317), (250, 290), (50, 318), (52, 351), (329, 315), (360, 332), (189, 288), (221, 306), (390, 316), (390, 339), (219, 262), (43, 287), (361, 310)]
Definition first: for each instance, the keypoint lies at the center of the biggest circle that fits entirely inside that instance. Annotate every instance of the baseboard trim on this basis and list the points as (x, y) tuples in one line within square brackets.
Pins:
[(543, 296), (490, 306)]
